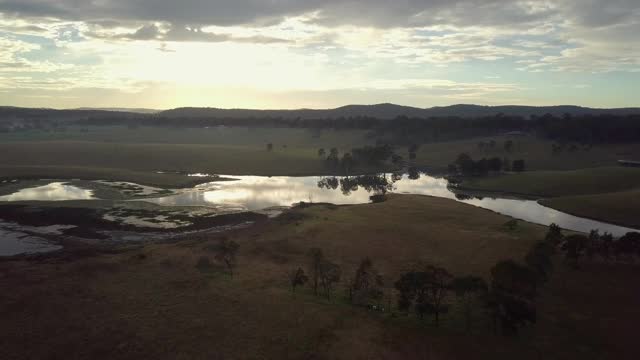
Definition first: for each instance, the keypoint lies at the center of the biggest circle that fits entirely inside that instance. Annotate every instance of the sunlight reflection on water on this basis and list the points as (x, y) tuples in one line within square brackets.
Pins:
[(256, 193), (56, 191)]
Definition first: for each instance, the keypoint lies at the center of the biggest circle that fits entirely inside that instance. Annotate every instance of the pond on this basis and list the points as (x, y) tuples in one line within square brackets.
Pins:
[(55, 191), (254, 193), (16, 239), (257, 193)]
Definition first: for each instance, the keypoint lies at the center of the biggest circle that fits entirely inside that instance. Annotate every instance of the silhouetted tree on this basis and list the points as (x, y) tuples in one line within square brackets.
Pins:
[(425, 290), (366, 285), (539, 260), (414, 174), (518, 165), (329, 275), (508, 145), (495, 164), (297, 278), (321, 152), (469, 289), (574, 247), (316, 258), (347, 163), (554, 234), (465, 164), (227, 250), (513, 288), (396, 159)]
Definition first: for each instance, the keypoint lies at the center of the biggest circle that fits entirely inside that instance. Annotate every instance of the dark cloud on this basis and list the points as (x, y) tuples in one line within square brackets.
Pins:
[(380, 13)]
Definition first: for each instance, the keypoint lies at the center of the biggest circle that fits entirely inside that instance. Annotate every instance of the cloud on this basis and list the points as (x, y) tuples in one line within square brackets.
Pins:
[(169, 33), (378, 13), (359, 48)]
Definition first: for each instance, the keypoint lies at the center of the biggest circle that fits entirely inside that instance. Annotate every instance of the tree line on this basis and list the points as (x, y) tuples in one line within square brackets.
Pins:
[(584, 129), (466, 166)]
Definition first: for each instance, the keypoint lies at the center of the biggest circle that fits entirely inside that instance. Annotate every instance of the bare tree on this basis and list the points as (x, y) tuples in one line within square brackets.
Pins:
[(297, 278), (227, 250), (316, 257)]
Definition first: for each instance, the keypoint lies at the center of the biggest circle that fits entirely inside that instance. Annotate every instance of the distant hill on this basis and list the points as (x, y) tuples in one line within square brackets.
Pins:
[(391, 111), (380, 111), (125, 110)]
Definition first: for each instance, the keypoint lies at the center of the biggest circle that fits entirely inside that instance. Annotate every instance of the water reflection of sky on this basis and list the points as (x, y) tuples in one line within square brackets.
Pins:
[(15, 242), (56, 191), (256, 193)]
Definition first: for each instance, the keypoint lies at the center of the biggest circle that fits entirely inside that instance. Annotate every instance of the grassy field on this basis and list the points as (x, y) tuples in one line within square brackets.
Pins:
[(153, 302), (536, 152), (561, 183), (619, 207), (242, 151)]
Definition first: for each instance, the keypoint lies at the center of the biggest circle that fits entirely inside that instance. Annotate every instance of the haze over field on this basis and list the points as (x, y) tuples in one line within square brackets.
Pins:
[(311, 54)]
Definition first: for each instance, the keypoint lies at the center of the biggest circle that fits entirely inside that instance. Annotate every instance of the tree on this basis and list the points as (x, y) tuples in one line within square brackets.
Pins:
[(321, 152), (425, 290), (554, 234), (329, 274), (506, 164), (628, 245), (347, 163), (396, 159), (469, 289), (508, 146), (366, 285), (518, 165), (316, 257), (513, 288), (539, 260), (413, 173), (495, 164), (574, 246), (511, 224), (465, 164), (227, 250), (333, 160), (297, 278), (269, 147)]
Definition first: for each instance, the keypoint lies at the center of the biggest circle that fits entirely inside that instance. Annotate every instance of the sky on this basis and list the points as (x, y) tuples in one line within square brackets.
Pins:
[(279, 54)]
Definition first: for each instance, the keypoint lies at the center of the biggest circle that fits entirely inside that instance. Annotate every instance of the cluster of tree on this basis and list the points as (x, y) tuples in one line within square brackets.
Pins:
[(378, 184), (373, 155), (413, 150), (369, 156), (466, 166), (364, 288), (586, 129), (491, 145), (509, 299), (558, 148), (323, 274), (577, 246)]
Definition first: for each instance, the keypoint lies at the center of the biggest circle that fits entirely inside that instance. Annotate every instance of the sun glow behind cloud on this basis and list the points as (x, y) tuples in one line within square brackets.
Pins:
[(301, 54)]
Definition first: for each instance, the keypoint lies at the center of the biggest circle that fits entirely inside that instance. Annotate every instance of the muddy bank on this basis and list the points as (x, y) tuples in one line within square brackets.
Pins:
[(88, 219)]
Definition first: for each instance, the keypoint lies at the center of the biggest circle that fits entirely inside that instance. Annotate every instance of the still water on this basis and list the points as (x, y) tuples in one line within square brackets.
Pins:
[(257, 193), (55, 191)]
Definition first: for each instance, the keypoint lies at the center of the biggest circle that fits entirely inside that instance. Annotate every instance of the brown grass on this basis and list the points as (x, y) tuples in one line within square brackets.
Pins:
[(154, 302)]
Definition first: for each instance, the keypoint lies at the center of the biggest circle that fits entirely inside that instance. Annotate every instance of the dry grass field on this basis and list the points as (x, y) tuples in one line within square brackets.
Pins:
[(153, 302)]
